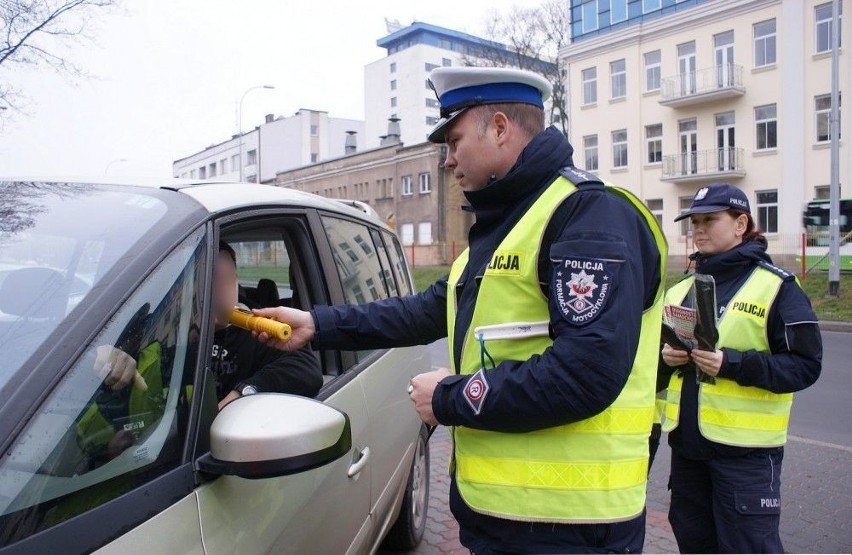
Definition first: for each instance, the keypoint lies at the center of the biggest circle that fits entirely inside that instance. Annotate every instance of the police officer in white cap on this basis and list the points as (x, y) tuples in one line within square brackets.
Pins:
[(553, 317)]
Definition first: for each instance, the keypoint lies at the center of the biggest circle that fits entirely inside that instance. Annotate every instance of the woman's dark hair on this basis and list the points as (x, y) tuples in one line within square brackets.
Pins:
[(752, 232)]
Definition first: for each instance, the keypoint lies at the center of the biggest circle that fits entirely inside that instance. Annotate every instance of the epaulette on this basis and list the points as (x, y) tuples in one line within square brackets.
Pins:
[(780, 272), (580, 177)]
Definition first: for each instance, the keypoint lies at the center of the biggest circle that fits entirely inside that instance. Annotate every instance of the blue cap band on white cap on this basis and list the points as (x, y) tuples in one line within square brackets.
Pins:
[(489, 93)]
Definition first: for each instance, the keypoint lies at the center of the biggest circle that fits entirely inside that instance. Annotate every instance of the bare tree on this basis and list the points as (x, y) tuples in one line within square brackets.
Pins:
[(533, 38), (39, 33)]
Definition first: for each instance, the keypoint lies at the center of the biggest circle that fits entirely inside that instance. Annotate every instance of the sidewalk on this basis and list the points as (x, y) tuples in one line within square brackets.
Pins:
[(816, 500)]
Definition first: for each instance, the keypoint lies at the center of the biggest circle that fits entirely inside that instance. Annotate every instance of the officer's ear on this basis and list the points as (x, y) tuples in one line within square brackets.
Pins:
[(741, 225), (501, 124)]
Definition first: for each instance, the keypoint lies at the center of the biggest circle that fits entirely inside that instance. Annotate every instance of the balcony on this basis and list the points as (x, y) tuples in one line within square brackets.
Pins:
[(704, 85), (704, 165)]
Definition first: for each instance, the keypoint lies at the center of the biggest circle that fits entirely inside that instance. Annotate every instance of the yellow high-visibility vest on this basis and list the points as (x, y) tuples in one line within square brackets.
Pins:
[(730, 413), (594, 470)]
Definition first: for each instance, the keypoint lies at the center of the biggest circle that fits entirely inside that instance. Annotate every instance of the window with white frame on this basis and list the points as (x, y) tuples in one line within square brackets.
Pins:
[(823, 116), (406, 234), (393, 67), (655, 205), (652, 70), (424, 233), (393, 102), (251, 157), (211, 170), (650, 5), (618, 79), (393, 84), (446, 62), (766, 126), (619, 148), (764, 43), (406, 185), (617, 11), (235, 163), (590, 15), (202, 172), (654, 142), (425, 182), (590, 85), (822, 192), (767, 210), (590, 152), (822, 22)]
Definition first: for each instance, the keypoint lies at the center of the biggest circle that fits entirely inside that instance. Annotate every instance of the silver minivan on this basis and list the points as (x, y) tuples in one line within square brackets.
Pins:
[(166, 472)]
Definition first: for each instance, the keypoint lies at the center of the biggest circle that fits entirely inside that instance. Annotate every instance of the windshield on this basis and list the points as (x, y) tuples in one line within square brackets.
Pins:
[(57, 240)]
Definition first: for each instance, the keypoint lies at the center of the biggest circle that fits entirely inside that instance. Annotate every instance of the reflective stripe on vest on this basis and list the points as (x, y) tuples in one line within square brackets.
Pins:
[(594, 470), (729, 413)]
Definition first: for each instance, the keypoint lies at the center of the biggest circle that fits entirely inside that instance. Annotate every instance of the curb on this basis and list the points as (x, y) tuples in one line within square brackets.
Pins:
[(835, 325)]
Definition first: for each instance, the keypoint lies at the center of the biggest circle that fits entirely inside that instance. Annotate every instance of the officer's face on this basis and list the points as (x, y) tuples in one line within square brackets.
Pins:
[(472, 154), (717, 231)]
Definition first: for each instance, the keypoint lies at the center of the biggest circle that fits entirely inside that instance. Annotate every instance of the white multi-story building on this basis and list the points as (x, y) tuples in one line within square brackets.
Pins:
[(279, 144), (397, 86), (670, 95)]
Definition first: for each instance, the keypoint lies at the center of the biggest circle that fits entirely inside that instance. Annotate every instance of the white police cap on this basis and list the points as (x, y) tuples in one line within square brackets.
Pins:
[(459, 88)]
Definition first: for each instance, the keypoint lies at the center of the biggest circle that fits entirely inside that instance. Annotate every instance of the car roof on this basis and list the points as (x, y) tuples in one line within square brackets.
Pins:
[(224, 196)]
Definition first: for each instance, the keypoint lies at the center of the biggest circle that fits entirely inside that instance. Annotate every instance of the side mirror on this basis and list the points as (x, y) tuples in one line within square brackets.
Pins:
[(273, 434)]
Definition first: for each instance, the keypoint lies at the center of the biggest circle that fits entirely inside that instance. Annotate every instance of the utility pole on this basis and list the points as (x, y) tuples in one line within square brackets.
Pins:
[(834, 187)]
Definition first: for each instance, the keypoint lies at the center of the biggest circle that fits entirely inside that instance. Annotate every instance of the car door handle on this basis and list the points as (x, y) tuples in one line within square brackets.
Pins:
[(359, 465)]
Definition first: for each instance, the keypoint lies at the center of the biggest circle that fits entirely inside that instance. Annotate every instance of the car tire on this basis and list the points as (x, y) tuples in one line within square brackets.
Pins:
[(408, 529)]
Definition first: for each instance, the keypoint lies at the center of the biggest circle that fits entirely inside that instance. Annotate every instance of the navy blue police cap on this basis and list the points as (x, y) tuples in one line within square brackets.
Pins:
[(715, 198), (459, 88)]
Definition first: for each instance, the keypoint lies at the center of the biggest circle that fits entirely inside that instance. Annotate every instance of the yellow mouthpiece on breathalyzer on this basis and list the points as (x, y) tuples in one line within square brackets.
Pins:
[(248, 321)]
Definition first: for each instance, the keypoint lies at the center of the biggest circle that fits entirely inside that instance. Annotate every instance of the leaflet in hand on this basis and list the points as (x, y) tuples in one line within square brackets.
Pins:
[(680, 322)]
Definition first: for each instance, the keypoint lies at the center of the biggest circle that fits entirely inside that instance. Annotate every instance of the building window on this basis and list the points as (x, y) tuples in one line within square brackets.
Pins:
[(211, 170), (767, 211), (393, 67), (393, 102), (314, 157), (617, 11), (425, 183), (684, 203), (393, 84), (429, 85), (618, 79), (432, 103), (590, 16), (193, 174), (764, 43), (650, 5), (314, 130), (822, 33), (406, 234), (652, 71), (823, 115), (655, 205), (424, 233), (430, 67), (822, 192), (431, 120), (235, 163), (406, 185), (251, 157), (223, 166), (590, 152), (619, 148), (446, 62), (766, 123), (590, 85), (654, 140)]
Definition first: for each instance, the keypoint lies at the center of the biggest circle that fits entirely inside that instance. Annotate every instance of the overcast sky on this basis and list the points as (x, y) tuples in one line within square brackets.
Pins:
[(168, 75)]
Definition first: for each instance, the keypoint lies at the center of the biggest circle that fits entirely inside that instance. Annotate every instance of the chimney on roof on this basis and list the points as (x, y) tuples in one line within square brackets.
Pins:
[(351, 144), (393, 136), (270, 118)]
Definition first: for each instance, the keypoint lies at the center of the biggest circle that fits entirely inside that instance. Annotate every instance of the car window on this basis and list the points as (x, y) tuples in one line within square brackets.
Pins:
[(54, 249), (388, 280), (401, 267), (88, 442), (263, 272), (356, 260)]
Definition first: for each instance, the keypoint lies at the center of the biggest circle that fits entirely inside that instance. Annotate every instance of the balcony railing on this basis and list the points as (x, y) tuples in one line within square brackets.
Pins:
[(722, 163), (704, 85)]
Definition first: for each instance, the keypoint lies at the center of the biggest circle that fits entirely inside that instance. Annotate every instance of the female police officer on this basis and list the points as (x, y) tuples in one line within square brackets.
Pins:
[(727, 434)]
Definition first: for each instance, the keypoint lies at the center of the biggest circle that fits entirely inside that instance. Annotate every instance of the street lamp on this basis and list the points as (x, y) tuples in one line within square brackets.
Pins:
[(116, 161), (240, 125)]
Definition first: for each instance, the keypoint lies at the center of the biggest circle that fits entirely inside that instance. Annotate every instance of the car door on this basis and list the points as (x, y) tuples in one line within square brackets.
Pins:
[(323, 510), (365, 264)]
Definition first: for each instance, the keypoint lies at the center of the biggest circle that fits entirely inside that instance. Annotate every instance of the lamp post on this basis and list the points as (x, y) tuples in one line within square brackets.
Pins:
[(116, 161), (240, 123)]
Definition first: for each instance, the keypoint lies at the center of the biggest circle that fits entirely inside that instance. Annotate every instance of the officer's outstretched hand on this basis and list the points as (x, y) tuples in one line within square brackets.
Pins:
[(301, 323)]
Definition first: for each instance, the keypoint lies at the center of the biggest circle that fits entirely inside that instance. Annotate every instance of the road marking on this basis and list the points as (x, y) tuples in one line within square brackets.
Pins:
[(819, 443)]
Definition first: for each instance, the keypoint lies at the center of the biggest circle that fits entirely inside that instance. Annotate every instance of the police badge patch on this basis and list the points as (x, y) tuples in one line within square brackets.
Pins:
[(581, 287), (476, 390)]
